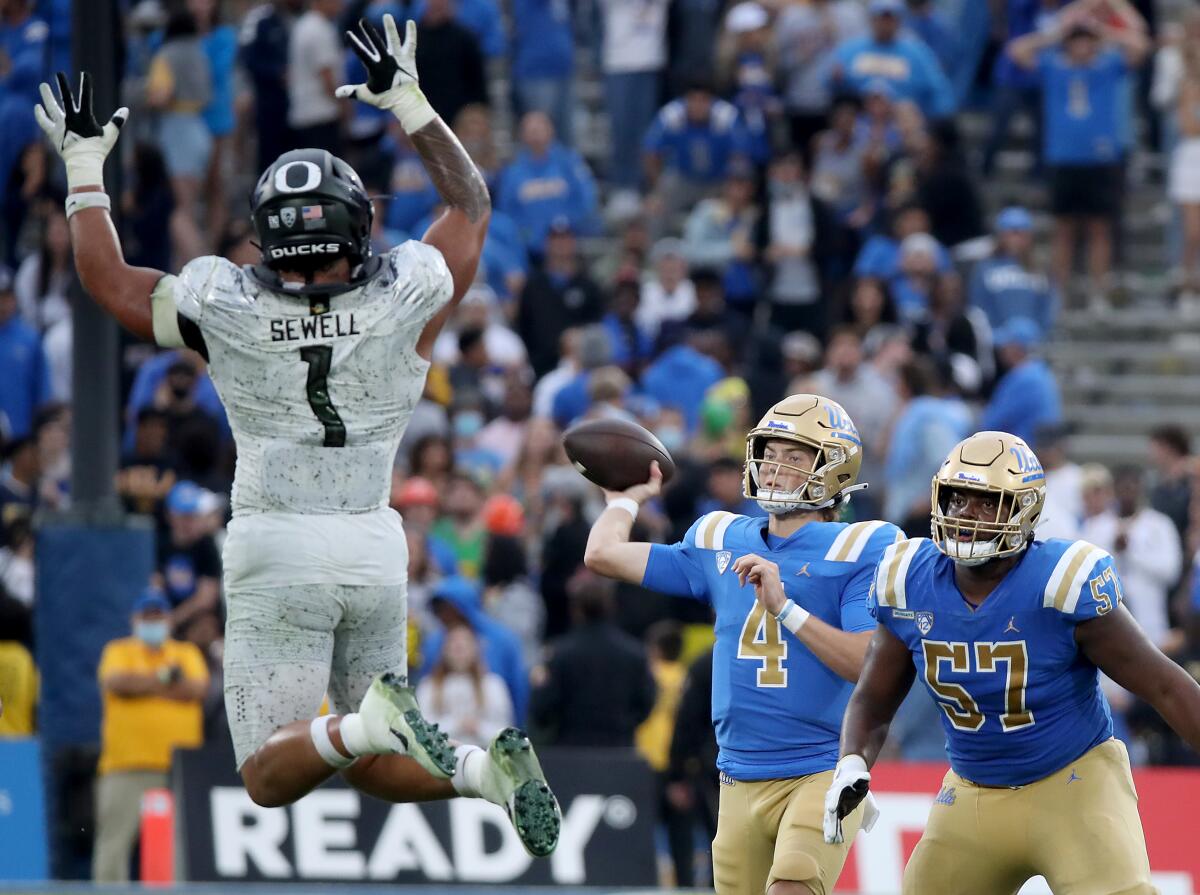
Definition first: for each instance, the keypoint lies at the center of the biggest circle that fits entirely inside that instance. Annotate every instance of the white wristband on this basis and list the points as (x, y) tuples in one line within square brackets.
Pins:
[(792, 616), (628, 504), (91, 199), (412, 108), (852, 763)]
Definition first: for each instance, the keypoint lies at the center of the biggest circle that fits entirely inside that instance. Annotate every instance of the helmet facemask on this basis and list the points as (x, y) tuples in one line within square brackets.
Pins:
[(809, 495), (1007, 534)]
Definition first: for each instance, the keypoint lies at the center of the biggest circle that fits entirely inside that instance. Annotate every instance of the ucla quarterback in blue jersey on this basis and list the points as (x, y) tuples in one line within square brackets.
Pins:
[(1009, 635), (789, 592)]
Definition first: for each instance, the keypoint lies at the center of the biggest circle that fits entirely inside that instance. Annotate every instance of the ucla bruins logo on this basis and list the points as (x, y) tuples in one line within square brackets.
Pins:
[(924, 622)]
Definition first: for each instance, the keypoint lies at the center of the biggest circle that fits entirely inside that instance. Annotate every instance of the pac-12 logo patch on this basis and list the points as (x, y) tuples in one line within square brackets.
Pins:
[(288, 216), (723, 558), (924, 622)]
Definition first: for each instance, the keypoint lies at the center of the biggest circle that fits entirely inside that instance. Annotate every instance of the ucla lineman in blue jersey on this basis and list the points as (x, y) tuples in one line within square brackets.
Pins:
[(789, 592), (1009, 635)]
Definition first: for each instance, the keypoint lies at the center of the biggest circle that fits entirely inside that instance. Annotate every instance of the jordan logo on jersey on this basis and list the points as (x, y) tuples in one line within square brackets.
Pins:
[(807, 574), (924, 622), (1012, 626), (723, 558)]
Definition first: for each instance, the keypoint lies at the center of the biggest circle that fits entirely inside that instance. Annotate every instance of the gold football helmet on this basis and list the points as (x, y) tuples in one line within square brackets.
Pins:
[(1000, 464), (820, 425)]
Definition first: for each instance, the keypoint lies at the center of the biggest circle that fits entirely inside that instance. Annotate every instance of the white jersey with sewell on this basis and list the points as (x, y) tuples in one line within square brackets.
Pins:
[(318, 390)]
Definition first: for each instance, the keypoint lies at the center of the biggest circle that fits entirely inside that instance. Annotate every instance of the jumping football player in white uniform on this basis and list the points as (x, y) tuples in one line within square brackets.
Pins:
[(319, 355)]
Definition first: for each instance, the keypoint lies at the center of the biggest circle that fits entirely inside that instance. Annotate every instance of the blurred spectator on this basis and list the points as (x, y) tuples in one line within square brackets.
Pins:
[(152, 689), (456, 602), (596, 687), (502, 437), (1006, 285), (725, 490), (632, 346), (145, 477), (432, 459), (16, 564), (870, 306), (890, 53), (634, 56), (956, 337), (855, 384), (188, 566), (1086, 121), (416, 500), (481, 19), (460, 694), (1063, 511), (667, 293), (714, 314), (681, 375), (543, 61), (688, 148), (1147, 551), (1183, 184), (747, 62), (44, 276), (880, 256), (508, 596), (1015, 89), (178, 397), (559, 295), (219, 42), (946, 189), (800, 229), (23, 65), (313, 72), (19, 685), (179, 87), (838, 164), (413, 196), (664, 645), (148, 205), (927, 22), (806, 35), (1096, 492), (693, 786), (52, 434), (1026, 395), (546, 185), (1171, 463), (720, 233), (450, 61), (20, 481), (265, 38), (928, 425), (25, 385), (461, 526), (152, 388)]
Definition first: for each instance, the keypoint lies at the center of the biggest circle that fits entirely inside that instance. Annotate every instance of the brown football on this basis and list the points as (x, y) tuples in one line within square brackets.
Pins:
[(616, 454)]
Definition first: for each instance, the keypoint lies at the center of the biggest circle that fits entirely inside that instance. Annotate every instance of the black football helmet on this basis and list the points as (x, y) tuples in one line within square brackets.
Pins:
[(310, 208)]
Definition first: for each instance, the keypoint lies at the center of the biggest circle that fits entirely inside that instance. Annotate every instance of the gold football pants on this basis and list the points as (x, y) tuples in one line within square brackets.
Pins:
[(770, 830), (1079, 828)]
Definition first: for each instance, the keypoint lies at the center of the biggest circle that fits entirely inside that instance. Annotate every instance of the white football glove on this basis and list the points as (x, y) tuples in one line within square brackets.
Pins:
[(391, 73), (851, 780), (74, 131)]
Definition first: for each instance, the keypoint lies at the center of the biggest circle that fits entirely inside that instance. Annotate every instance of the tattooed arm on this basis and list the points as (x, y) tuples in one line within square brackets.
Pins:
[(392, 84), (460, 230)]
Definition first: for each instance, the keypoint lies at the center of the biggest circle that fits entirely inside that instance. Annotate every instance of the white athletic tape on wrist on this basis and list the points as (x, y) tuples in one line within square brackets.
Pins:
[(319, 731), (792, 616), (412, 108), (91, 199), (85, 167), (628, 504)]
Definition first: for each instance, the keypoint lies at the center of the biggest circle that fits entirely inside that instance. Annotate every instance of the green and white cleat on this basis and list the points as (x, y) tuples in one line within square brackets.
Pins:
[(393, 723), (513, 779)]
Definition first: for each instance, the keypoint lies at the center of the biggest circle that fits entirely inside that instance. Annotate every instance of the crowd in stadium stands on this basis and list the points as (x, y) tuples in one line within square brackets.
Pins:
[(774, 196)]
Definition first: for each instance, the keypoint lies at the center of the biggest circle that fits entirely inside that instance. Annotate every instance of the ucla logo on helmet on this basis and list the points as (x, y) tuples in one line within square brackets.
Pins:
[(924, 622)]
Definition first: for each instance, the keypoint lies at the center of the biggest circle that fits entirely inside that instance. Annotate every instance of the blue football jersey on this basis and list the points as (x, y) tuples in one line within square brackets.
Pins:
[(777, 709), (1019, 699)]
